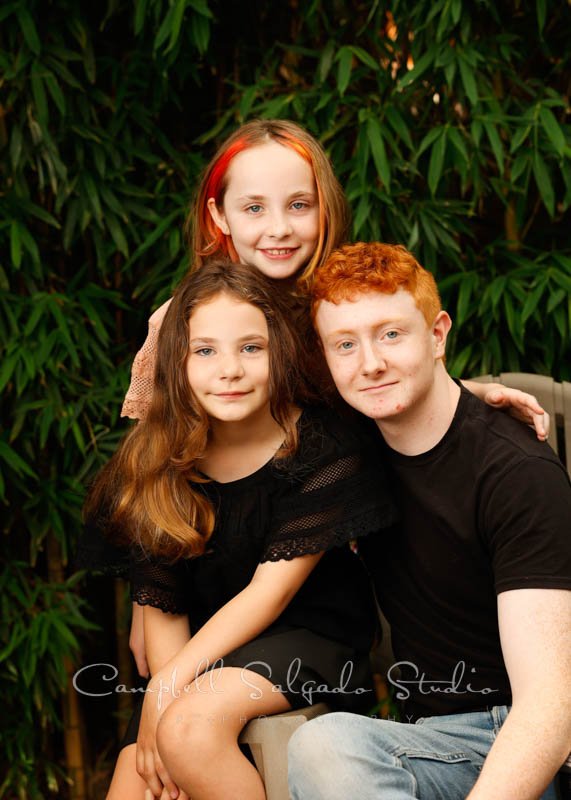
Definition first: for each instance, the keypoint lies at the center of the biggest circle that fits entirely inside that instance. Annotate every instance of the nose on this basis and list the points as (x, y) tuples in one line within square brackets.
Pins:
[(279, 225), (372, 361), (231, 367)]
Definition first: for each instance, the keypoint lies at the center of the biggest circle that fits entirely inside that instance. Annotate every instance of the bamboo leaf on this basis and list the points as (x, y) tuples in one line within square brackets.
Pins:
[(398, 125), (541, 8), (140, 14), (202, 7), (29, 30), (436, 161), (552, 129), (364, 57), (345, 59), (519, 137), (544, 184), (378, 150), (420, 67), (468, 79), (430, 137), (326, 60), (16, 244), (14, 461), (496, 144), (39, 94), (532, 301)]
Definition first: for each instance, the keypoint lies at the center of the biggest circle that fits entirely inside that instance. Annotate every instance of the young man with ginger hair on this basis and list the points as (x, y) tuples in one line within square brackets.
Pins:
[(476, 581)]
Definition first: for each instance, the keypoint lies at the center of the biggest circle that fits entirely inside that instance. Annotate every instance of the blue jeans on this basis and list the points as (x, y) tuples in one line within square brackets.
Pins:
[(339, 756)]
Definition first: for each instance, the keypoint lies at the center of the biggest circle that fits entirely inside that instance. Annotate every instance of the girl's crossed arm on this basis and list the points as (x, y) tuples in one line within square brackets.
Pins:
[(250, 612)]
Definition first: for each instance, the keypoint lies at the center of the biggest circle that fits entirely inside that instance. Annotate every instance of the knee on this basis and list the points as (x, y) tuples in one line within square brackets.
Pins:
[(317, 754), (183, 732)]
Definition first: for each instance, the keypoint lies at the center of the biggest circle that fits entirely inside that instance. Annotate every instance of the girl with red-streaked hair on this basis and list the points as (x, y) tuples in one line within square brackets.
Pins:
[(268, 197)]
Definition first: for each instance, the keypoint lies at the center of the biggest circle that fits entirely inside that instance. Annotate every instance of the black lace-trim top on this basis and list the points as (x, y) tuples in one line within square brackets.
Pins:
[(330, 492)]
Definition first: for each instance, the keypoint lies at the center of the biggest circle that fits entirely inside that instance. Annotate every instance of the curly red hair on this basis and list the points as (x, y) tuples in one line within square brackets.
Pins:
[(365, 267)]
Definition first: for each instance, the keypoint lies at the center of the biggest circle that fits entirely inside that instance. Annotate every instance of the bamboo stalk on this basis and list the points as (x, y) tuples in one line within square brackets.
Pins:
[(73, 729), (124, 660)]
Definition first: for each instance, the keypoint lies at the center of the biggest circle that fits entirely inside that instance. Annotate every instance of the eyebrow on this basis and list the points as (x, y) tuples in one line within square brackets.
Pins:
[(259, 197), (246, 338), (376, 326)]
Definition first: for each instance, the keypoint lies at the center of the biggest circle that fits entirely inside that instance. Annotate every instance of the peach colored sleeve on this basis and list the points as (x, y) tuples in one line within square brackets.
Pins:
[(140, 392)]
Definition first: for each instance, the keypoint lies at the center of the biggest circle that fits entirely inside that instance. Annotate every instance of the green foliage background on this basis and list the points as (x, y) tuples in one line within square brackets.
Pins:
[(448, 124)]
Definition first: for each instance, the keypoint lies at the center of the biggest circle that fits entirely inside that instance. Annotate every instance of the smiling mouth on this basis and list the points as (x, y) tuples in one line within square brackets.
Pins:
[(378, 387), (279, 252), (231, 395)]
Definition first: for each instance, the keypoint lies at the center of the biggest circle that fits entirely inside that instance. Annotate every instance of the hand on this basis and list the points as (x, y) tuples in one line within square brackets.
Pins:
[(137, 641), (149, 763), (522, 406)]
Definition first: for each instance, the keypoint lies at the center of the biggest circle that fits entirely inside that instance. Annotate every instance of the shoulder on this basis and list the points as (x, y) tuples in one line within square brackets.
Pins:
[(157, 317), (327, 433), (499, 439)]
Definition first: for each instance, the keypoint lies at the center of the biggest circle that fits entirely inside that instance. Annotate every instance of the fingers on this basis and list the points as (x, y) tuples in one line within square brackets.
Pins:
[(541, 424), (147, 771), (170, 788), (142, 666)]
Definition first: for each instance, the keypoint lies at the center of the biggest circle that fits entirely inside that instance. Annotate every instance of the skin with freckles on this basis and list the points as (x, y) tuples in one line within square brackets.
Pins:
[(382, 358)]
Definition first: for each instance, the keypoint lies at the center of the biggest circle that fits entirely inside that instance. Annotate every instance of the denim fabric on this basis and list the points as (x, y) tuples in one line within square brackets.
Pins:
[(340, 756)]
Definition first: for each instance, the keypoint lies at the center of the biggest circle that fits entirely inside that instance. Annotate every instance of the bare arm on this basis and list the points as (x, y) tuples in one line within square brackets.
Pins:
[(521, 405), (535, 631), (250, 612), (165, 635)]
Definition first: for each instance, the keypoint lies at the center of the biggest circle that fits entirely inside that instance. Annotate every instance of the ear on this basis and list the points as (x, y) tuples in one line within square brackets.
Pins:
[(218, 216), (440, 329)]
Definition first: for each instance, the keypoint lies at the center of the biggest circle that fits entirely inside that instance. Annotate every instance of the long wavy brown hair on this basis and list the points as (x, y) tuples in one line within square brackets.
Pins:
[(151, 486)]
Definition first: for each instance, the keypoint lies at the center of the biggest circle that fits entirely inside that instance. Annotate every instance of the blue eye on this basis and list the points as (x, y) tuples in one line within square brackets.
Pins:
[(254, 209), (346, 345), (299, 205), (252, 348), (391, 334), (204, 351)]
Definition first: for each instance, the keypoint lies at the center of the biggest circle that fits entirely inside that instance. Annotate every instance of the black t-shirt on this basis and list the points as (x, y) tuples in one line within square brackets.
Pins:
[(487, 510), (327, 494)]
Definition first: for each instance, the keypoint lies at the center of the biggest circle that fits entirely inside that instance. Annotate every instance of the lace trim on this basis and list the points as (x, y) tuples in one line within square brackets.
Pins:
[(157, 598), (368, 522), (140, 391), (105, 559)]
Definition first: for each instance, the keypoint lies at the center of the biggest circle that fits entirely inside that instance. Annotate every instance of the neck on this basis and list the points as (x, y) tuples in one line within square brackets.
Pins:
[(421, 427), (260, 428)]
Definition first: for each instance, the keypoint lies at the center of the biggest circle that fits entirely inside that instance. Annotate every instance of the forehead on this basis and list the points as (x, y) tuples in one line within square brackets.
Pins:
[(224, 316), (268, 166), (365, 310)]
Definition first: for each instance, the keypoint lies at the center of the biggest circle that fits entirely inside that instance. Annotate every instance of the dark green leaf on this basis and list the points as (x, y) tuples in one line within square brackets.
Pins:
[(552, 129), (345, 59), (544, 184), (436, 161)]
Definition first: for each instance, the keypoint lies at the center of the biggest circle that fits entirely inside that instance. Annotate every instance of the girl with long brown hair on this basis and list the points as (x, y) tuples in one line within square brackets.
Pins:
[(237, 500)]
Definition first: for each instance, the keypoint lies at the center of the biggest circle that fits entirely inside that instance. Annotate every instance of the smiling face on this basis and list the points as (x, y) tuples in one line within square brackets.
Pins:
[(381, 352), (228, 360), (270, 209)]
